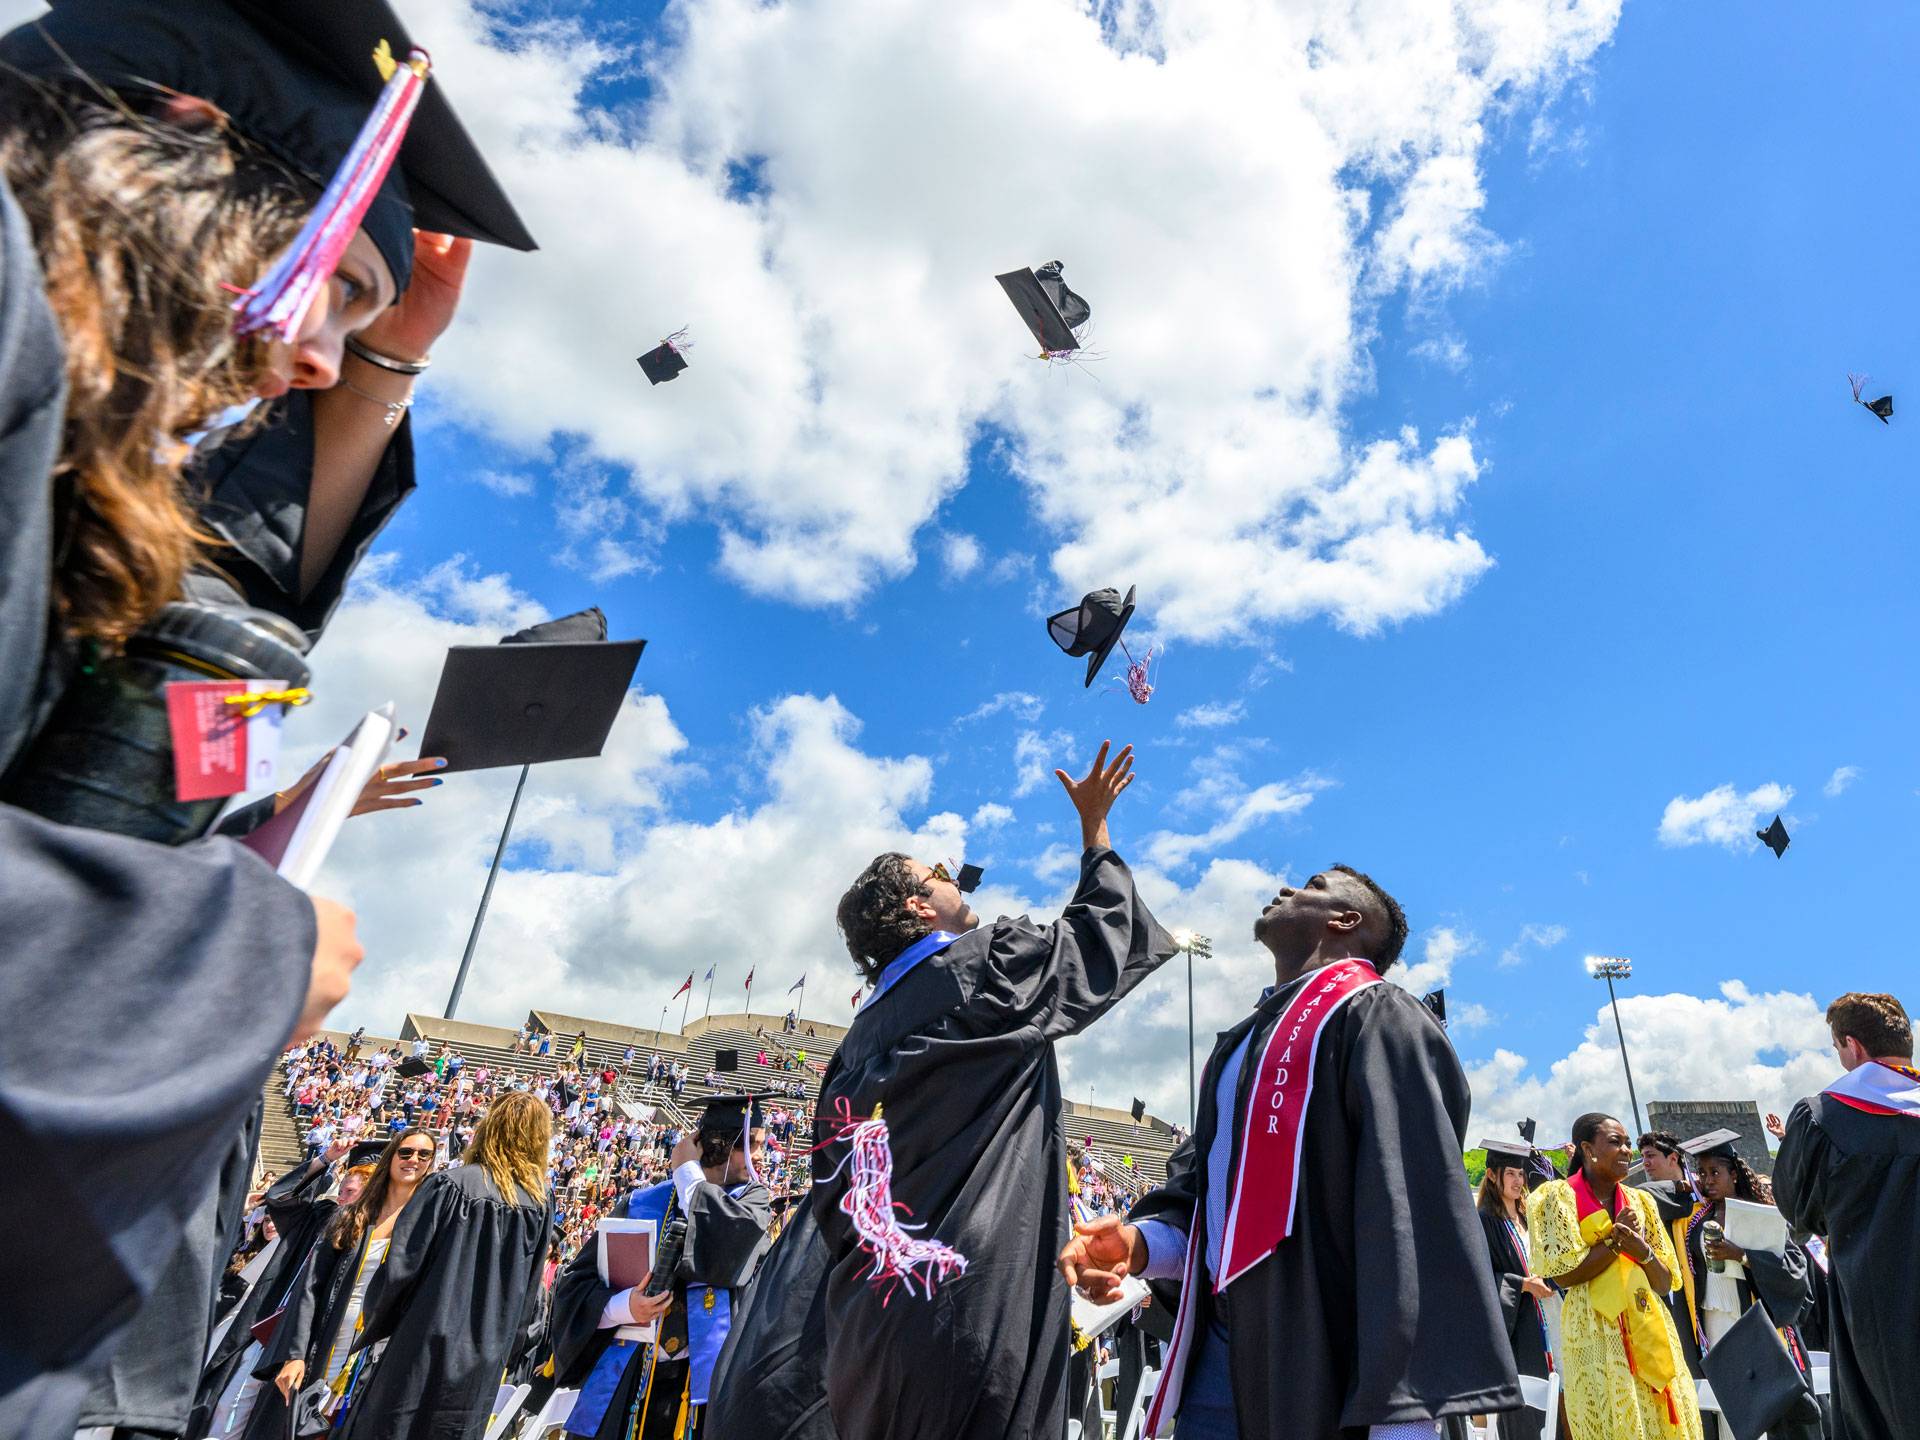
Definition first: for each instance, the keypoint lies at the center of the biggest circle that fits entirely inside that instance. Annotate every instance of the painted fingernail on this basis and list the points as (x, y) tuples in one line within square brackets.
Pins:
[(440, 762), (438, 780)]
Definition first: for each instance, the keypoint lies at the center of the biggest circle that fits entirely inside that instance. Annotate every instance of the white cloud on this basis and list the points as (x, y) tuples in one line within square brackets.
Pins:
[(505, 483), (992, 815), (1304, 160), (959, 556), (1434, 970), (1838, 782), (1722, 816), (1036, 757), (1470, 1016), (1534, 937), (1175, 849), (1773, 1048), (1021, 704), (1213, 715)]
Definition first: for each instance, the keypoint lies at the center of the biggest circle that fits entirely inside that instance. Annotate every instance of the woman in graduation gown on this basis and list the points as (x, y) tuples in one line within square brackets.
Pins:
[(314, 1338), (457, 1286), (1776, 1280), (1624, 1377), (633, 1390), (1524, 1296)]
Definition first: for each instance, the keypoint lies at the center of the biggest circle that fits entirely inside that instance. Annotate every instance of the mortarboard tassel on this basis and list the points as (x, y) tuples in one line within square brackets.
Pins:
[(279, 301), (897, 1254)]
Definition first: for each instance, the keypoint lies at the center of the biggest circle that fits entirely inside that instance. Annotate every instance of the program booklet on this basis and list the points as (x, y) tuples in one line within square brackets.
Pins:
[(625, 1258)]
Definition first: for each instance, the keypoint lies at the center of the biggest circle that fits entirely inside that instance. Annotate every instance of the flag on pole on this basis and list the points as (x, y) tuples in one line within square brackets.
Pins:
[(685, 986), (856, 999), (797, 984), (710, 970), (749, 979)]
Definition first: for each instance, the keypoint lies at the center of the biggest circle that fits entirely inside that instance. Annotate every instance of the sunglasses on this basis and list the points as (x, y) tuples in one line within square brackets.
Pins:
[(410, 1153)]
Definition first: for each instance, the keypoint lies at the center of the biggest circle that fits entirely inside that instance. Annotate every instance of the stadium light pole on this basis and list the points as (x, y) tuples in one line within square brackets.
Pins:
[(1193, 944), (1611, 968)]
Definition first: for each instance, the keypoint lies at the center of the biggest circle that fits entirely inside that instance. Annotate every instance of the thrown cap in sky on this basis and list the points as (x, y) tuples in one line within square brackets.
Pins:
[(298, 79), (1526, 1128), (531, 699), (1052, 312), (1092, 628), (1774, 837), (1506, 1153), (1718, 1143), (1881, 409), (1139, 1108), (968, 880), (728, 1114), (667, 359), (1436, 1003)]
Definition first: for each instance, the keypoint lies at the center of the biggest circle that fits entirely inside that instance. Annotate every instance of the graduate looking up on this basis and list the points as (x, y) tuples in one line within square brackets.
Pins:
[(956, 1042), (1848, 1170), (1333, 1276)]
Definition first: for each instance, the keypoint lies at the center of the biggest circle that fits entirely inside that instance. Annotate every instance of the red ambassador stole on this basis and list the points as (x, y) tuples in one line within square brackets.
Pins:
[(1266, 1180), (1880, 1087)]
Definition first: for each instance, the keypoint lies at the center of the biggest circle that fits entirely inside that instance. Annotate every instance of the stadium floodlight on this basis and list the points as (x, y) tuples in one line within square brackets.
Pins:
[(1203, 947), (1611, 968)]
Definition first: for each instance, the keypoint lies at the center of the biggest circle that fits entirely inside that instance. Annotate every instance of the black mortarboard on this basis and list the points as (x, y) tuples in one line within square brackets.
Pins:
[(366, 1152), (1139, 1108), (1505, 1154), (1716, 1143), (410, 1067), (297, 78), (1436, 1001), (1092, 628), (1881, 409), (729, 1114), (551, 692), (968, 880), (1759, 1387), (1526, 1128), (663, 362), (726, 1061), (1774, 837), (1051, 310)]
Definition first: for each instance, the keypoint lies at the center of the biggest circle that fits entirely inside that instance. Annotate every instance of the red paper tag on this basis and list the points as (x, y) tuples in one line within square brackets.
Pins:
[(209, 739)]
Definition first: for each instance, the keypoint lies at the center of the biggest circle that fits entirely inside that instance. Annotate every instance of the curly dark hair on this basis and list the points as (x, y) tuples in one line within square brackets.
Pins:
[(873, 915), (1393, 920), (1748, 1184)]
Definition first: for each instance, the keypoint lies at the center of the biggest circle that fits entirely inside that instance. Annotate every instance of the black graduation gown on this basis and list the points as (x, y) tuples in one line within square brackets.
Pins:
[(1380, 1307), (1851, 1177), (450, 1300), (1776, 1281), (256, 493), (164, 939), (1526, 1330), (726, 1238), (960, 1052), (299, 1206)]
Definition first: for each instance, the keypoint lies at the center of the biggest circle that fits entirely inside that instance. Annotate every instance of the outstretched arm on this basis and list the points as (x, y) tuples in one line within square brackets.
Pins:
[(1093, 794)]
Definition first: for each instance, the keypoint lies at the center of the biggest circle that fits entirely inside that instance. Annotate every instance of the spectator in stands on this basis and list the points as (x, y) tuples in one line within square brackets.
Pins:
[(458, 1284)]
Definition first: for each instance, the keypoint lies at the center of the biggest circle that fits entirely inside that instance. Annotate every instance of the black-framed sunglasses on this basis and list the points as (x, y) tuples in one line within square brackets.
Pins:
[(940, 872), (410, 1152)]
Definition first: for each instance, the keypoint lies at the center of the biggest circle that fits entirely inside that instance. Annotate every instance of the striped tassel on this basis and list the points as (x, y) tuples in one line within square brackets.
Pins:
[(278, 303), (899, 1256)]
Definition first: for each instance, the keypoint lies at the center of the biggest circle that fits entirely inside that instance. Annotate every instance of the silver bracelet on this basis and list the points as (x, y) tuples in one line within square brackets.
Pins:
[(387, 362), (394, 408)]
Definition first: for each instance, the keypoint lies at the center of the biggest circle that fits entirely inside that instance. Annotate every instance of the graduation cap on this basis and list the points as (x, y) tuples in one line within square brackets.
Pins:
[(1092, 628), (1436, 1001), (1775, 838), (1139, 1109), (365, 1152), (667, 359), (726, 1062), (968, 880), (551, 692), (298, 79), (411, 1067), (1759, 1387), (1506, 1155), (1052, 312), (1715, 1144), (731, 1115), (1526, 1128), (1882, 408)]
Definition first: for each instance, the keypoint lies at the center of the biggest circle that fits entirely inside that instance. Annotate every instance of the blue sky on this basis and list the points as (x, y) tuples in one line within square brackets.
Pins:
[(1701, 561)]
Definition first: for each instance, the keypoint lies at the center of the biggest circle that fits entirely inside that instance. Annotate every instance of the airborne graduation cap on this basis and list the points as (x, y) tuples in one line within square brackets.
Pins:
[(968, 880), (549, 692), (1775, 838), (1053, 312), (1092, 628), (667, 359)]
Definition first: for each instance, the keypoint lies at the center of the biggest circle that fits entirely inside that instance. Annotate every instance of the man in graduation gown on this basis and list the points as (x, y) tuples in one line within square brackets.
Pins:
[(956, 1042), (631, 1389), (1848, 1170), (1334, 1280)]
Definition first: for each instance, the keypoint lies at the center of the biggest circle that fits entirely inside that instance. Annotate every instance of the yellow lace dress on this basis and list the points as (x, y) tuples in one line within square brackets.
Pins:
[(1601, 1397)]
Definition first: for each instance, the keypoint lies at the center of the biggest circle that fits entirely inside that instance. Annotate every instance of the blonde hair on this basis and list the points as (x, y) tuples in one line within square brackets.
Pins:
[(510, 1144)]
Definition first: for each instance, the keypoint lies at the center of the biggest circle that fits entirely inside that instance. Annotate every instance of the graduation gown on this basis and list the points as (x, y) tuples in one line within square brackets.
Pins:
[(960, 1052), (726, 1238), (456, 1288), (1380, 1306), (164, 939), (1851, 1176), (1524, 1319)]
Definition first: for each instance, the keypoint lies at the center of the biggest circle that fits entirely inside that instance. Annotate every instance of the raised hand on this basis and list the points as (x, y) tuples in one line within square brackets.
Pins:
[(409, 329), (1094, 793), (1776, 1127)]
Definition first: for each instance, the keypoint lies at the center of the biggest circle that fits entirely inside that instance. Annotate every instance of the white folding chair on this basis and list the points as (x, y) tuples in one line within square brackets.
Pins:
[(552, 1415), (1821, 1364), (1543, 1395), (507, 1401), (1704, 1389)]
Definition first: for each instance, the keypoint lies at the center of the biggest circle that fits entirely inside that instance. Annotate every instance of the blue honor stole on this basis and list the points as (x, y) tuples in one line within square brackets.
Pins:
[(652, 1202), (926, 947)]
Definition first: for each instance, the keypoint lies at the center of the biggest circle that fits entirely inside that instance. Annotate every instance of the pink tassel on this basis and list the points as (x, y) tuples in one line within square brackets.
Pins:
[(899, 1257), (279, 302)]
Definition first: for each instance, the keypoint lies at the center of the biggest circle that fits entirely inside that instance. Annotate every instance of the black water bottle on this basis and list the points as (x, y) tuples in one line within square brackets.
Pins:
[(104, 759)]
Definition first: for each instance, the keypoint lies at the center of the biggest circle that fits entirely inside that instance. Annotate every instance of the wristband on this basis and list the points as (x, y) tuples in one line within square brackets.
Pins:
[(386, 362)]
